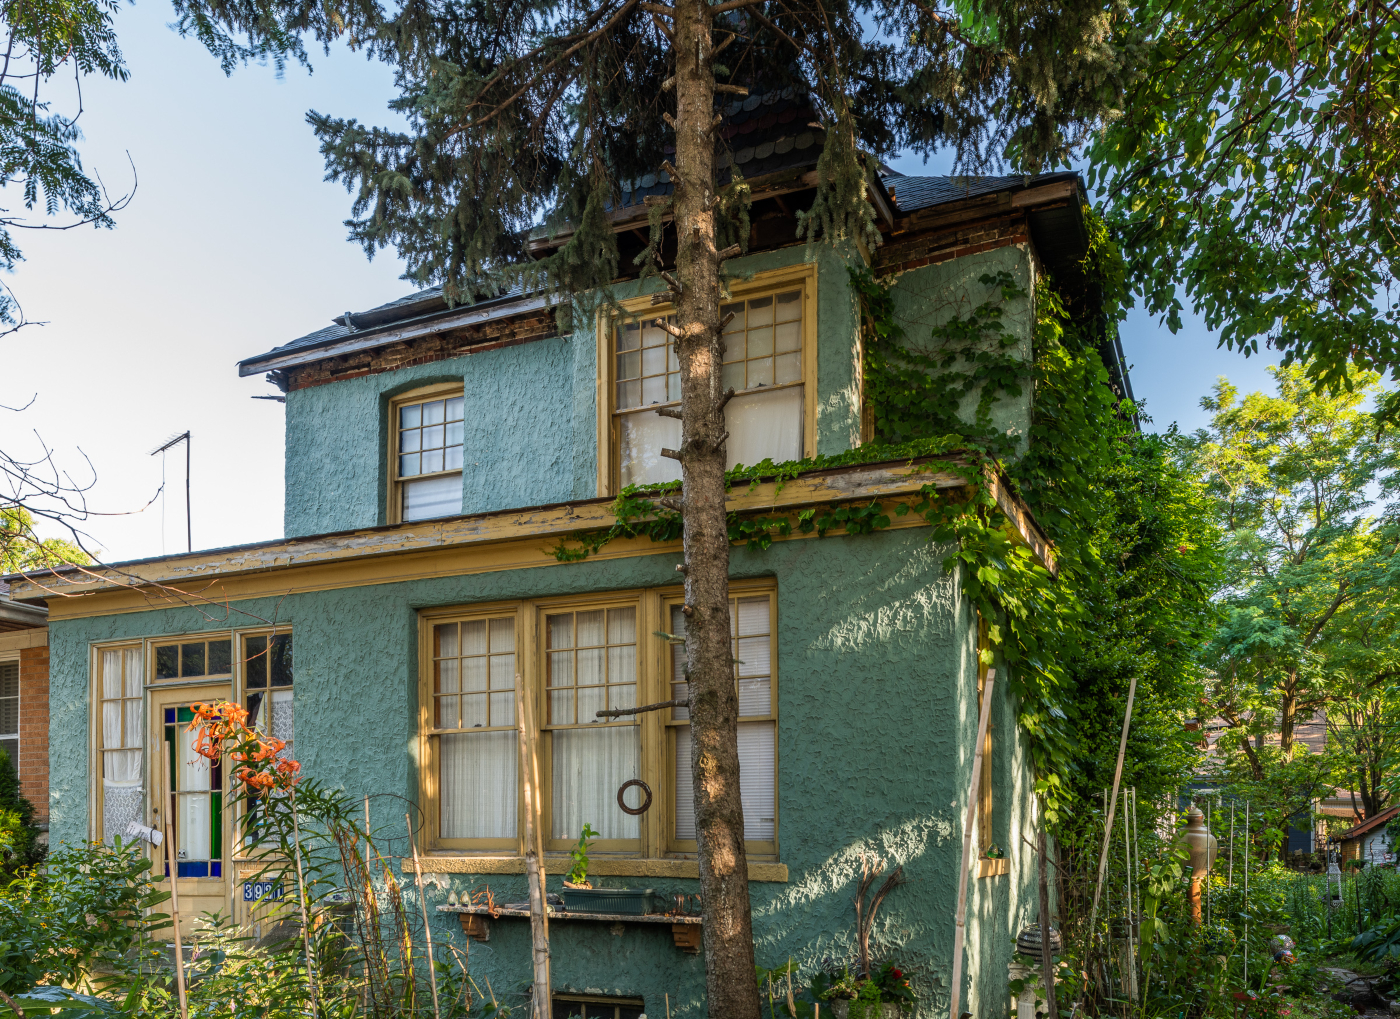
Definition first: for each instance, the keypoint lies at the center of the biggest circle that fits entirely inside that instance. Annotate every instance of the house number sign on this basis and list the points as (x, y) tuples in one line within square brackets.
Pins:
[(254, 891)]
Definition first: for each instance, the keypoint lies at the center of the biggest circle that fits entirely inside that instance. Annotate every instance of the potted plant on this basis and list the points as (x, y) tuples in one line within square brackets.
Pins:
[(581, 897), (885, 995)]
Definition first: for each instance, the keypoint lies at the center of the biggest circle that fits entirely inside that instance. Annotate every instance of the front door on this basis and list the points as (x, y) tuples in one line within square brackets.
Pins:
[(188, 796)]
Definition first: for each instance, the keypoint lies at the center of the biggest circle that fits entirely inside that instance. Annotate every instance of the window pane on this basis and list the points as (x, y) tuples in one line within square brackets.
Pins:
[(474, 674), (761, 312), (503, 708), (502, 635), (561, 630), (643, 436), (410, 465), (445, 640), (787, 368), (629, 394), (477, 778), (448, 679), (432, 437), (452, 460), (454, 433), (411, 416), (474, 711), (474, 636), (455, 407), (678, 684), (589, 767), (685, 787), (433, 413), (11, 747), (589, 628), (411, 441), (760, 343), (654, 389), (432, 461), (732, 377), (765, 425), (503, 672), (789, 306), (255, 669), (280, 659), (134, 665), (219, 664), (629, 336), (282, 726), (192, 659), (787, 337), (168, 662), (448, 713), (433, 497), (760, 372), (756, 779)]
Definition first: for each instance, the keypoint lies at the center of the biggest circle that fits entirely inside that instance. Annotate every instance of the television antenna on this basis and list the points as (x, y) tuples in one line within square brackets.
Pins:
[(173, 440)]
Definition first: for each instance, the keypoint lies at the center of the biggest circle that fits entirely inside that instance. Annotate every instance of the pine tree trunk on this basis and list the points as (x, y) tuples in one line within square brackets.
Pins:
[(731, 990)]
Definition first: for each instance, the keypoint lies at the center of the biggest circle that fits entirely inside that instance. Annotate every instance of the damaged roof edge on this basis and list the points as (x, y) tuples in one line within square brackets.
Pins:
[(560, 520), (393, 332)]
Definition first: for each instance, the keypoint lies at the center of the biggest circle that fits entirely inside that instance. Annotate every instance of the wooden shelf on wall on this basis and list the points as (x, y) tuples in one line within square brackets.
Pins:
[(685, 930)]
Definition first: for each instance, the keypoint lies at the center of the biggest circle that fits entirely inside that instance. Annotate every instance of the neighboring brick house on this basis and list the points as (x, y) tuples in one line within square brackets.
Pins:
[(24, 696)]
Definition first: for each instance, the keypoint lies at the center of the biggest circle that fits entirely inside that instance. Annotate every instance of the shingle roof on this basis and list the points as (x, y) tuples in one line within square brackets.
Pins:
[(1370, 824), (914, 193)]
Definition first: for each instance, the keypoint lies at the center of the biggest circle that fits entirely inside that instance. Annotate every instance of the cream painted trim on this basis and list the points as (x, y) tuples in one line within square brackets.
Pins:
[(393, 507), (21, 640), (804, 273), (463, 546), (436, 863)]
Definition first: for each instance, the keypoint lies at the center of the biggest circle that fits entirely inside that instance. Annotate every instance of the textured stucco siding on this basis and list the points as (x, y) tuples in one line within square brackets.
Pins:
[(877, 713), (930, 296), (531, 414)]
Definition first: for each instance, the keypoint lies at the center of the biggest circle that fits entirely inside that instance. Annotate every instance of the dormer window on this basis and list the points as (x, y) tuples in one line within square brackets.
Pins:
[(427, 456), (769, 361)]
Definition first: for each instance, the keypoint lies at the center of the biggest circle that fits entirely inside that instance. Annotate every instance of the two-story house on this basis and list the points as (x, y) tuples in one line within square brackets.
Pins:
[(435, 455)]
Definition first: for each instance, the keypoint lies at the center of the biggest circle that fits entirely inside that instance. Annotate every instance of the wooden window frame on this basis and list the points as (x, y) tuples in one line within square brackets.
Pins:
[(393, 508), (752, 848), (656, 736), (762, 284), (238, 694), (429, 792), (986, 801), (97, 758)]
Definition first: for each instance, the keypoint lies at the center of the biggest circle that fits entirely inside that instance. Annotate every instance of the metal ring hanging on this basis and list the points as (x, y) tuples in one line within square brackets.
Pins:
[(646, 803)]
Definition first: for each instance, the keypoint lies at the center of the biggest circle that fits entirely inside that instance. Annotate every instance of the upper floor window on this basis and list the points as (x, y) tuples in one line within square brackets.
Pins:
[(769, 362), (427, 458)]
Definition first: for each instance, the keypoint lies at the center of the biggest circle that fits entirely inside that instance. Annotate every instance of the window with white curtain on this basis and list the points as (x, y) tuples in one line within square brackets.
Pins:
[(762, 364), (580, 656), (751, 633), (428, 457), (474, 729), (120, 685), (591, 666)]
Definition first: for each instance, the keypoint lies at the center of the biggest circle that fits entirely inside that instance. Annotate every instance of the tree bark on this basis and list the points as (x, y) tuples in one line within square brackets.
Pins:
[(731, 991)]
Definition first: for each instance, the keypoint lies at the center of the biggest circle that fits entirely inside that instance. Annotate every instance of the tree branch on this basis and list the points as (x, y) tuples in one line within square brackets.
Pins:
[(679, 702)]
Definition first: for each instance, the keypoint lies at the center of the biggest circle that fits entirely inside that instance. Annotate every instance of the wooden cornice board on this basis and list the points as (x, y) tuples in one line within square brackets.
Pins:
[(507, 539)]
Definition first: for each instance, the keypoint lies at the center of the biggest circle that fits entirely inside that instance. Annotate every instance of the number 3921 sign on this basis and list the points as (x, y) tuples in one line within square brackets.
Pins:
[(255, 891)]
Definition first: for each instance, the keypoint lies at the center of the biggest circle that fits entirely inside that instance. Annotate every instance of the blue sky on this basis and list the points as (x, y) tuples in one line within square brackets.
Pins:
[(234, 244)]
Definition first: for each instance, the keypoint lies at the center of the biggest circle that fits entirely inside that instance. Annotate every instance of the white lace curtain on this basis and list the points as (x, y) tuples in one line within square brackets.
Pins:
[(479, 784), (589, 767), (122, 678)]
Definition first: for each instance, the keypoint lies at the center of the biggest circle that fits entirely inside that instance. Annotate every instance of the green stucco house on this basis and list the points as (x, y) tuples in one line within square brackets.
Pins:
[(436, 456)]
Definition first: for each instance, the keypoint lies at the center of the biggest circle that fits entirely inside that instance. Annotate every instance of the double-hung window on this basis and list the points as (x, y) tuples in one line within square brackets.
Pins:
[(9, 710), (121, 679), (578, 656), (427, 456), (769, 361), (751, 636)]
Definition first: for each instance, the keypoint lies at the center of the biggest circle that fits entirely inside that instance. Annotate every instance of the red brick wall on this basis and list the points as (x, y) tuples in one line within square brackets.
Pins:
[(34, 728)]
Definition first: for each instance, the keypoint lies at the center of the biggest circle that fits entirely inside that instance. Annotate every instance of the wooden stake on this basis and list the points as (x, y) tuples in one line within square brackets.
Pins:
[(301, 902), (960, 927), (174, 895), (1112, 804), (423, 901), (534, 853), (668, 1006)]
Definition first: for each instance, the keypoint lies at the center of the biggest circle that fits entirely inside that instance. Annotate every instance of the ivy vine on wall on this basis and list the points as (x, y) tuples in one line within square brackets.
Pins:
[(1079, 435)]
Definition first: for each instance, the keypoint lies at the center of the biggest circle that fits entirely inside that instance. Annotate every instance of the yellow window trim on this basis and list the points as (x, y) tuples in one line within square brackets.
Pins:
[(805, 274), (393, 507), (653, 685), (464, 863)]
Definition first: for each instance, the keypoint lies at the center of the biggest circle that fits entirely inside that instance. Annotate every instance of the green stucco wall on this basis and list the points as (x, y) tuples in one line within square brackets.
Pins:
[(931, 295), (876, 680), (531, 421)]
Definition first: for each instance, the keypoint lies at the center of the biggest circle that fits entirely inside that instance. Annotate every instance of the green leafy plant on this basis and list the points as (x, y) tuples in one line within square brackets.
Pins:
[(578, 873)]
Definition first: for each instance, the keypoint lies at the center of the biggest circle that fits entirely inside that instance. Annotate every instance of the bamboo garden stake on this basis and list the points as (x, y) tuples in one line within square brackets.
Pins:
[(960, 928), (534, 857), (174, 895), (423, 901), (1112, 803), (301, 900)]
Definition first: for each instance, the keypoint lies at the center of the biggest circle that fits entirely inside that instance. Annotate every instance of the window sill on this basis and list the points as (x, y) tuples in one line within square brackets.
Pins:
[(461, 864), (993, 868)]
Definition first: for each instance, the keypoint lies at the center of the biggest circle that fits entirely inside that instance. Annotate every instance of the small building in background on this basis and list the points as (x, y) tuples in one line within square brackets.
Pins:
[(24, 698), (1369, 840)]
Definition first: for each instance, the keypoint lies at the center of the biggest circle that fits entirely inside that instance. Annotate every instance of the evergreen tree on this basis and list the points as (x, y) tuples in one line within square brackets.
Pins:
[(529, 112), (16, 821)]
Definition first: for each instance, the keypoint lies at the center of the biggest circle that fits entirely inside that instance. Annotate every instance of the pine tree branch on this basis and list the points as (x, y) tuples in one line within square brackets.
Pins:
[(732, 5), (652, 8), (737, 90), (728, 395), (732, 251), (540, 74), (679, 702), (666, 327), (670, 412)]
